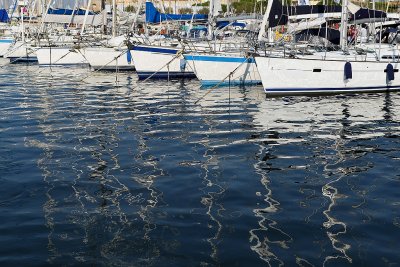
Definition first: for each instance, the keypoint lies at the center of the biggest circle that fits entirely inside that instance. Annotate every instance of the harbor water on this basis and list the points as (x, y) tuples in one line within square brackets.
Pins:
[(98, 169)]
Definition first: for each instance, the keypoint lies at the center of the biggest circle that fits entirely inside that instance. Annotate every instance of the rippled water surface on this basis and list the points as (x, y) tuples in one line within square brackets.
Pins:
[(152, 174)]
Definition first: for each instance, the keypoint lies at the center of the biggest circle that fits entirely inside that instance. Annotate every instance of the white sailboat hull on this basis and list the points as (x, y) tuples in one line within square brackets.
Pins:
[(160, 63), (102, 58), (5, 44), (224, 69), (21, 52), (60, 56), (287, 76)]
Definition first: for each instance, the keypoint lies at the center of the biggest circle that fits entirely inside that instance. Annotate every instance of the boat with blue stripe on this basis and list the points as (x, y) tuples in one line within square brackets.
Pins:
[(223, 69), (160, 62)]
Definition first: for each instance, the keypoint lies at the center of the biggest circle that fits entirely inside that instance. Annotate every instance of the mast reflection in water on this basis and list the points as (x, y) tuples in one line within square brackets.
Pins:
[(144, 175)]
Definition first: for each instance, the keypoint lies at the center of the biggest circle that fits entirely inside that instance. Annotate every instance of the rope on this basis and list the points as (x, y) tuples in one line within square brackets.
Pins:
[(215, 86), (24, 56), (102, 67), (55, 62), (166, 65)]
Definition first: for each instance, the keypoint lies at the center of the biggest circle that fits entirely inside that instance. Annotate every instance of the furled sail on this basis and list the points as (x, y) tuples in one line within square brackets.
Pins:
[(154, 16), (73, 16)]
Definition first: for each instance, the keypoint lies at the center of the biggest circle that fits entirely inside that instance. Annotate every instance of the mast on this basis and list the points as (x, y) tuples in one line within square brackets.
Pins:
[(265, 23), (210, 21), (86, 16), (45, 10), (22, 22), (114, 18), (139, 7), (73, 13), (14, 7), (343, 22), (103, 10), (215, 8)]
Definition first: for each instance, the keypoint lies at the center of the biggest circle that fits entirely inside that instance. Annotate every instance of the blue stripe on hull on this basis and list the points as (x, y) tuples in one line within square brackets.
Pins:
[(164, 75), (340, 90), (218, 59), (23, 59), (155, 50), (65, 65), (5, 41), (209, 83), (121, 68)]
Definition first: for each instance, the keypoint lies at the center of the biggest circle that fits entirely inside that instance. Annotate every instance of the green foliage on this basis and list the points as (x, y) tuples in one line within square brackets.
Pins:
[(251, 6), (393, 6), (224, 8), (169, 10), (243, 6), (328, 3), (261, 4), (185, 10), (202, 4), (207, 4), (204, 11), (130, 9)]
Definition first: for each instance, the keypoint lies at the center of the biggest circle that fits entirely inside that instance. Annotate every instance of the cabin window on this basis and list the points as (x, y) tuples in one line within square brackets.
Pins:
[(390, 56)]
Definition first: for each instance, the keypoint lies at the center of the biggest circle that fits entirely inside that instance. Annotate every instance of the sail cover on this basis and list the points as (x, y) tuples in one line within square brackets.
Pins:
[(364, 15), (66, 16), (3, 16), (279, 14), (63, 11), (153, 16)]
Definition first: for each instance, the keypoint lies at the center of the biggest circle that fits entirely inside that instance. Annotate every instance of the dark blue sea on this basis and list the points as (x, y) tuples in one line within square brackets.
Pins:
[(97, 169)]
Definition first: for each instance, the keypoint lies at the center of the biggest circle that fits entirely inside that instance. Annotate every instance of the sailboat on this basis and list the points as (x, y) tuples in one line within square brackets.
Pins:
[(221, 69), (232, 65), (336, 72), (115, 54), (21, 50), (68, 50), (162, 61), (229, 66)]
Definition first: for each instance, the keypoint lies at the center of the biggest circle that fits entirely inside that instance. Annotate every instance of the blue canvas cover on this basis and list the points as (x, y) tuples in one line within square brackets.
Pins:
[(4, 16), (153, 16), (221, 24), (63, 11)]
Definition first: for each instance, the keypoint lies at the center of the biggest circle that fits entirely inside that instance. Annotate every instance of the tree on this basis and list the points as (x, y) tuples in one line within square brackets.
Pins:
[(185, 10), (328, 3), (224, 8), (204, 11), (243, 6), (130, 9), (169, 10), (207, 3)]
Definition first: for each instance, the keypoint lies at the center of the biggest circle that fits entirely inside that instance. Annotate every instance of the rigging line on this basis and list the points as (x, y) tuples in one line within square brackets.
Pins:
[(55, 62), (230, 74), (24, 56), (215, 86), (166, 65), (102, 67), (15, 48)]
